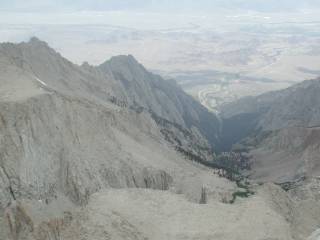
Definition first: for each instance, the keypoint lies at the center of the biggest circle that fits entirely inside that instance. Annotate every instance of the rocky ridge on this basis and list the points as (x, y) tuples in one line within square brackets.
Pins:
[(68, 131), (90, 152)]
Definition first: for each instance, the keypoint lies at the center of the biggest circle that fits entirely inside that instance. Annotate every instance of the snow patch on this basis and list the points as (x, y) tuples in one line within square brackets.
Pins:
[(41, 82), (315, 235)]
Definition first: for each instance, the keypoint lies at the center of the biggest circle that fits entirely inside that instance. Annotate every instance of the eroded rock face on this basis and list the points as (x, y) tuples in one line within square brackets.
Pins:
[(51, 143)]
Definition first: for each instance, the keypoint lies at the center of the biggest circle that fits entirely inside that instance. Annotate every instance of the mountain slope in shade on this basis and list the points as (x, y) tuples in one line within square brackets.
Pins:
[(164, 98), (283, 131)]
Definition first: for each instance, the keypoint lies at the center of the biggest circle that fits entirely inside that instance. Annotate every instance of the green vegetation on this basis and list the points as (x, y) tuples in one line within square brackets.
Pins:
[(228, 165), (242, 194)]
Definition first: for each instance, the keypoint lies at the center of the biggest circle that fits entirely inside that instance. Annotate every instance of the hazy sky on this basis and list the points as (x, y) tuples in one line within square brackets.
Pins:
[(155, 5), (143, 12)]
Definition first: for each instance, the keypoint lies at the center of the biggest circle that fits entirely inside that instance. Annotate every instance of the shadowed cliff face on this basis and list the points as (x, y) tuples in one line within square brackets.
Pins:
[(165, 98), (280, 128)]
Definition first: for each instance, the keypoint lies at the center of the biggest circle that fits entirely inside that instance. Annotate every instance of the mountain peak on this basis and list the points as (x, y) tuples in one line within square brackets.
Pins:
[(123, 58), (122, 62), (34, 39), (33, 42), (37, 42)]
